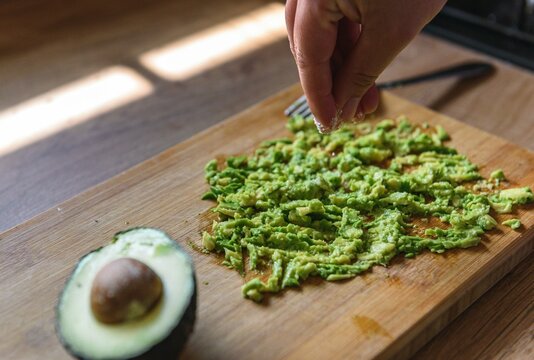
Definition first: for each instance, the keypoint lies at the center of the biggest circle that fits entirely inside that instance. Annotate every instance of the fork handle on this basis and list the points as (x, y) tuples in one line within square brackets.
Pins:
[(463, 71)]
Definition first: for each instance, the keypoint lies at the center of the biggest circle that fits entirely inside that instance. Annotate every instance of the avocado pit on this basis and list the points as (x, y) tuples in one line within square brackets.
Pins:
[(123, 290)]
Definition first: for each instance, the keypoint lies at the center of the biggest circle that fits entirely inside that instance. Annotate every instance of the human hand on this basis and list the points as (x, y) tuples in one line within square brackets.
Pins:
[(342, 46)]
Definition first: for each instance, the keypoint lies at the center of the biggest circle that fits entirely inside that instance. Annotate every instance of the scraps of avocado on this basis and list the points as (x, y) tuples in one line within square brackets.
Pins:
[(334, 205)]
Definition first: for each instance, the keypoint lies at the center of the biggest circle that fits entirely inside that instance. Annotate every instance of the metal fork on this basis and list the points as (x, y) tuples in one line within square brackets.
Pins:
[(467, 70)]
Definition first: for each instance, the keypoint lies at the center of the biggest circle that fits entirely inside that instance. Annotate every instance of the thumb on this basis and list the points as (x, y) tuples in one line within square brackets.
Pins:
[(387, 27), (352, 92), (383, 35), (369, 57)]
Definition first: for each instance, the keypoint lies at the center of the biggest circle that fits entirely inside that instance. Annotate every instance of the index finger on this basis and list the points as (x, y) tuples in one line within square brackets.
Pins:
[(290, 11), (315, 33)]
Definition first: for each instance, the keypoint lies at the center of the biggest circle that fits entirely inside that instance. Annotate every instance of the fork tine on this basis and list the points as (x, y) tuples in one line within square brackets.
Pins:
[(301, 109), (306, 113), (296, 104)]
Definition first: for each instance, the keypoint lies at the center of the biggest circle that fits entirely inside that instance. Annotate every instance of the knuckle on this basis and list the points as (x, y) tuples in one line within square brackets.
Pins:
[(305, 60), (292, 48), (349, 9), (326, 12), (300, 57), (362, 80)]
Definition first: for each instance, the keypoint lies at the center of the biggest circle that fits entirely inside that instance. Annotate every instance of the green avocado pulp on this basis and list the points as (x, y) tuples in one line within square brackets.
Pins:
[(335, 205)]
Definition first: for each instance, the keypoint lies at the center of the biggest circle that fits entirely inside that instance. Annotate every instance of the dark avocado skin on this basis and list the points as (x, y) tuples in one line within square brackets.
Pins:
[(174, 343), (168, 348)]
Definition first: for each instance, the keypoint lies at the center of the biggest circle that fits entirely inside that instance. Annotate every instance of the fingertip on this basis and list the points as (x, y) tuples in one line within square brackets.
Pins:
[(324, 114), (350, 109), (370, 100), (360, 114)]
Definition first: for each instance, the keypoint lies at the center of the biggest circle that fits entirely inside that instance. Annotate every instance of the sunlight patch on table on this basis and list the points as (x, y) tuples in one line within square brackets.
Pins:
[(69, 105), (214, 46)]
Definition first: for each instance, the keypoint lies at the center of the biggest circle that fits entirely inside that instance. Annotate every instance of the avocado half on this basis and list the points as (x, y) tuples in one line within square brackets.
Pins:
[(159, 334)]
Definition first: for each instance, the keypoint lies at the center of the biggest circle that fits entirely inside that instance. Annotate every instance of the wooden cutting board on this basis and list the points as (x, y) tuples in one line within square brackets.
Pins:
[(387, 312)]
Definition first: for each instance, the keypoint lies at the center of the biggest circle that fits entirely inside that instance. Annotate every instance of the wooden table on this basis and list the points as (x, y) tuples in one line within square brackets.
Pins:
[(47, 44)]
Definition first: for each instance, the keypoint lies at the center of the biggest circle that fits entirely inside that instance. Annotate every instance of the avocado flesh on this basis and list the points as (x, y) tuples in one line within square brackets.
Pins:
[(336, 205), (86, 337)]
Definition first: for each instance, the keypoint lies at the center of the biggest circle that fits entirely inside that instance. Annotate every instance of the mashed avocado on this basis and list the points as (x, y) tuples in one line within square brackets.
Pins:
[(335, 205), (512, 223)]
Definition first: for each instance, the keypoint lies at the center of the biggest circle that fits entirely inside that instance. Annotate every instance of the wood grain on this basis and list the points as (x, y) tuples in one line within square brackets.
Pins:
[(389, 312), (47, 43), (499, 334)]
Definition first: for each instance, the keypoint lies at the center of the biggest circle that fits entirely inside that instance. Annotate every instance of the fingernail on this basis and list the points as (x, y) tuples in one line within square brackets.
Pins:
[(321, 127), (349, 110), (336, 121), (358, 117)]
